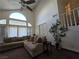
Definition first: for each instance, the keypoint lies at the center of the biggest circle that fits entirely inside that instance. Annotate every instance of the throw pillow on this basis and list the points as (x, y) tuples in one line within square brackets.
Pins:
[(39, 40)]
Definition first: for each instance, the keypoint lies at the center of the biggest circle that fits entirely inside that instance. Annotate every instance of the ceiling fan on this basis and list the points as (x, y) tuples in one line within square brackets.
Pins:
[(26, 3)]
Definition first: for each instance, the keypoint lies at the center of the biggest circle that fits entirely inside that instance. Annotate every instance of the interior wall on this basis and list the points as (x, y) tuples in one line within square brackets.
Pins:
[(44, 13), (71, 41), (45, 10), (28, 14)]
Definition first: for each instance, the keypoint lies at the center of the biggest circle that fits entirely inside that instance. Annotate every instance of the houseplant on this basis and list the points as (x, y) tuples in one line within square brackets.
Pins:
[(58, 31)]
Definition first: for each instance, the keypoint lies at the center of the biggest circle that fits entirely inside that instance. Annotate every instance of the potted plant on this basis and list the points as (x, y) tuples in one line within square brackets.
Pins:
[(58, 31)]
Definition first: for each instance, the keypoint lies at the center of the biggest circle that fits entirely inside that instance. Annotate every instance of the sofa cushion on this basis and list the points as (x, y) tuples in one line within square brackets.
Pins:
[(30, 45), (33, 48)]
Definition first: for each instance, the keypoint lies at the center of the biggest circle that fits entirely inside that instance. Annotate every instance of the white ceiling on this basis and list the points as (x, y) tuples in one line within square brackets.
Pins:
[(13, 4)]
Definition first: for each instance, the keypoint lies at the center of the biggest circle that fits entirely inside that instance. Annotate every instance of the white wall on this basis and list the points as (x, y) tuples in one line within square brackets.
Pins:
[(45, 10), (44, 14), (71, 41)]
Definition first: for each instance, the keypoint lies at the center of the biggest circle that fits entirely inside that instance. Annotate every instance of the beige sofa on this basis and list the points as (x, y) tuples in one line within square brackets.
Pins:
[(33, 48)]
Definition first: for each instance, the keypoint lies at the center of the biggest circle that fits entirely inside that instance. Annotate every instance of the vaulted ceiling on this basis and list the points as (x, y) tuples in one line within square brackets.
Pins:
[(14, 4)]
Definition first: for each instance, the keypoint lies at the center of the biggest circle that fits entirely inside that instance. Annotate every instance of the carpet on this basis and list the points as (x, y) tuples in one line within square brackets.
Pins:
[(21, 53)]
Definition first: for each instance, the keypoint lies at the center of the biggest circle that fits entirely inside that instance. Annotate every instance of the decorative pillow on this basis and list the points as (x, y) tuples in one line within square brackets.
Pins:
[(32, 39), (39, 40), (28, 39), (35, 38)]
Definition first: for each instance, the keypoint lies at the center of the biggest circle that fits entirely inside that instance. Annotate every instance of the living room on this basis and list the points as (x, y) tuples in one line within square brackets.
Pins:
[(18, 23)]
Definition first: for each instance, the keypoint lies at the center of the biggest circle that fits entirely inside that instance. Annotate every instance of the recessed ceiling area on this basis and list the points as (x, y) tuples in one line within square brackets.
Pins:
[(14, 4)]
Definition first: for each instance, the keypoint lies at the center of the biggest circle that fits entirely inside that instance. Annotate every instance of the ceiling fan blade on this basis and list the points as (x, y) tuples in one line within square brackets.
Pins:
[(28, 2), (29, 8)]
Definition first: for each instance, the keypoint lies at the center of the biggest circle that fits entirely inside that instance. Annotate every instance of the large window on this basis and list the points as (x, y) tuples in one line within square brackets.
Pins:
[(18, 16), (29, 25), (2, 21), (12, 31), (29, 31), (22, 31), (15, 22), (16, 25)]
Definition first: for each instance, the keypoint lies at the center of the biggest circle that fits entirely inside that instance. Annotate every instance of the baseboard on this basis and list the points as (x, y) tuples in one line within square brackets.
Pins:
[(71, 50), (67, 50)]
